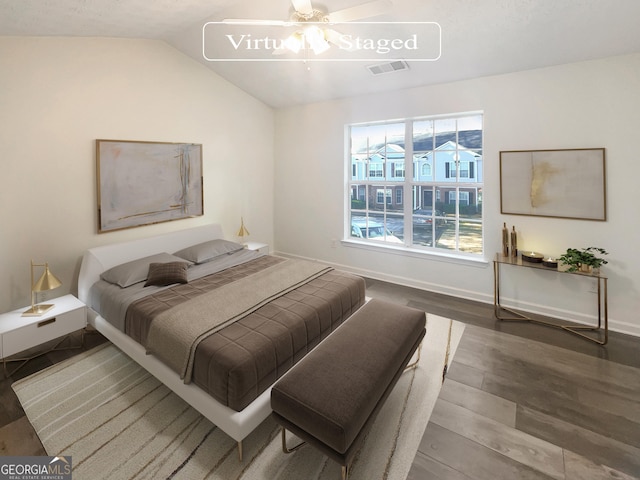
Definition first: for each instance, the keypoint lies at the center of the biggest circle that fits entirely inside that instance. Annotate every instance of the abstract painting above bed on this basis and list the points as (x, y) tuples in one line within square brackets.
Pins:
[(140, 183)]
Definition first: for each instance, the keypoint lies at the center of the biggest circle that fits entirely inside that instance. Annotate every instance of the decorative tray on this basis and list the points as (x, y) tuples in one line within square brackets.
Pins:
[(532, 257)]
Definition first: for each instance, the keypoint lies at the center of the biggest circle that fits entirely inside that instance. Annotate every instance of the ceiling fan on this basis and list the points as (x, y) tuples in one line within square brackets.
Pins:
[(308, 19)]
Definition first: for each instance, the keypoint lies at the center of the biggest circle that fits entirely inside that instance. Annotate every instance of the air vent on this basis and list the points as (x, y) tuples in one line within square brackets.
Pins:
[(388, 67)]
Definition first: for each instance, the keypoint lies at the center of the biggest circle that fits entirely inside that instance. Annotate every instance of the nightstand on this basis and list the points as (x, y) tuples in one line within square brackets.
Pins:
[(258, 247), (18, 333)]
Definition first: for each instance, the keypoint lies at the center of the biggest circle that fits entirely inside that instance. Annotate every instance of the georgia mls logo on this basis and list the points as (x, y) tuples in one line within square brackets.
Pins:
[(322, 41), (35, 468)]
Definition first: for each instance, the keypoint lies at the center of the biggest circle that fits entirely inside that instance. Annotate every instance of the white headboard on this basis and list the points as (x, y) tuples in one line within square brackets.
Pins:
[(98, 259)]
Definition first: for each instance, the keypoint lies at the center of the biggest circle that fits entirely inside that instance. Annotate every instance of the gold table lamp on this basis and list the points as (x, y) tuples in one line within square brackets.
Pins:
[(243, 232), (47, 281)]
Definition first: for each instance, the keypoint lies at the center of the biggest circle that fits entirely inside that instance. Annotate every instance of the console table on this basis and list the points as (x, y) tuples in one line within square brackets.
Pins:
[(603, 313)]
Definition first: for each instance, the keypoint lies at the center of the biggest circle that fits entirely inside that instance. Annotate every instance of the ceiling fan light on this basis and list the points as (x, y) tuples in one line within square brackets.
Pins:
[(294, 42), (315, 36), (320, 47)]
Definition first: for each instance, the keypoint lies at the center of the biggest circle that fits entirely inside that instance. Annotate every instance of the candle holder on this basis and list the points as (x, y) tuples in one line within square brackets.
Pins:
[(533, 257)]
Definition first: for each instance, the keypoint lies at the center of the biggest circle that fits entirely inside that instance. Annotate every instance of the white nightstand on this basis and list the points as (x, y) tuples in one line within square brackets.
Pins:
[(18, 333), (258, 247)]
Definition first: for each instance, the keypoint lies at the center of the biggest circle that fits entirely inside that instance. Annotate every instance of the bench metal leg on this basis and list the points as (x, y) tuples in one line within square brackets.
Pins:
[(414, 364), (240, 450), (286, 449)]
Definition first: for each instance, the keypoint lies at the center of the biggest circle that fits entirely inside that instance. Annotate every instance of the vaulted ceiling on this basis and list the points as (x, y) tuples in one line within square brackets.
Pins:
[(478, 37)]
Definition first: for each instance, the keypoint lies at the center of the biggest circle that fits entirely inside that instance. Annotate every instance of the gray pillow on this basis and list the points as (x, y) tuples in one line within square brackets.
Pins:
[(207, 251), (135, 271)]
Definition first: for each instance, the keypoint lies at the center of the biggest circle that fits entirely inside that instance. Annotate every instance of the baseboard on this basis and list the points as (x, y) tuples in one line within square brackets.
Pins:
[(399, 280), (533, 308)]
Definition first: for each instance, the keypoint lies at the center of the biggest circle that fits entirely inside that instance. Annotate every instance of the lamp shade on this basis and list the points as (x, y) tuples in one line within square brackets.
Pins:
[(47, 281), (243, 232)]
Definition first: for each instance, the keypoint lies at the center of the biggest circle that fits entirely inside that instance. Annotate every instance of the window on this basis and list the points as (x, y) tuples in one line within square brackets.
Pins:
[(464, 169), (383, 195), (435, 163), (397, 169), (375, 170)]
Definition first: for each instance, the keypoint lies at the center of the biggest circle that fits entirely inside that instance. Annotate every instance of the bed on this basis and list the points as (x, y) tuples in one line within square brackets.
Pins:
[(227, 372)]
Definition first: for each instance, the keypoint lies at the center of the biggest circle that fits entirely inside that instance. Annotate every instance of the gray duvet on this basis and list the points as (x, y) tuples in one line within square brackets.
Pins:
[(238, 362)]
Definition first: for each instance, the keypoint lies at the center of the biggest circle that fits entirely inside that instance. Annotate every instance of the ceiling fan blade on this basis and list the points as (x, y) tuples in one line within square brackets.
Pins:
[(366, 10), (303, 6), (250, 21)]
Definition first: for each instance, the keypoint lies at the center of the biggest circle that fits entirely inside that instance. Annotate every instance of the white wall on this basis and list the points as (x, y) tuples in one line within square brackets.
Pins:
[(58, 95), (583, 105)]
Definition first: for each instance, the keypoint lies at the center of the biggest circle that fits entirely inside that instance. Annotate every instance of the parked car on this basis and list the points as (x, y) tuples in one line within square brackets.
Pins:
[(424, 216), (372, 230)]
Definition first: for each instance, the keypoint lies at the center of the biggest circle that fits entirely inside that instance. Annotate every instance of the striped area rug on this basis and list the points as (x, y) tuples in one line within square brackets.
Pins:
[(118, 422)]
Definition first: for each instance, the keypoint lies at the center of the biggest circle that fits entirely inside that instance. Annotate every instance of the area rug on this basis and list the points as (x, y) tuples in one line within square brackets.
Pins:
[(118, 422)]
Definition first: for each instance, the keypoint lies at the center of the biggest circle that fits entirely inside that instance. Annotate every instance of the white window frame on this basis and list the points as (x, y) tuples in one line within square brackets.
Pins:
[(410, 181)]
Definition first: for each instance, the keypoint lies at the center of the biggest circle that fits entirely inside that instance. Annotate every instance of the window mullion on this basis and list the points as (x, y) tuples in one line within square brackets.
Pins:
[(408, 182)]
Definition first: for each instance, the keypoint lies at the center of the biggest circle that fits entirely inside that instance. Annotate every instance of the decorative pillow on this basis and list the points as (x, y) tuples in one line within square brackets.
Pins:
[(161, 274), (135, 271), (207, 251)]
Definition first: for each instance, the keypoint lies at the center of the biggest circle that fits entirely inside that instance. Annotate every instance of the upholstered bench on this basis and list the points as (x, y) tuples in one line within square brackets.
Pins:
[(331, 397)]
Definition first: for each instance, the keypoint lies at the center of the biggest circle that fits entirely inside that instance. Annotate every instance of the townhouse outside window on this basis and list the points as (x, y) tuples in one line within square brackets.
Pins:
[(419, 182)]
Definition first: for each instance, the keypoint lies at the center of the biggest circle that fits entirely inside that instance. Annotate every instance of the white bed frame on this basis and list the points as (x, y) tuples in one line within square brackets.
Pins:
[(96, 260)]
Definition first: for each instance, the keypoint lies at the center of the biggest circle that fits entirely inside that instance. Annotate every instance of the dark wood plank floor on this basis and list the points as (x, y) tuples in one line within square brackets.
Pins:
[(527, 401), (521, 401)]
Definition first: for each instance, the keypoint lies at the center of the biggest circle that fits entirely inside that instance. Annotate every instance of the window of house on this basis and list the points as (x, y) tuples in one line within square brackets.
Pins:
[(464, 169), (424, 184), (383, 195), (375, 170), (397, 169)]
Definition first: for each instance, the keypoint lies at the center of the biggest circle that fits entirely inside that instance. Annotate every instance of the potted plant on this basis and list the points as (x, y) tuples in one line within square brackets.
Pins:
[(584, 260)]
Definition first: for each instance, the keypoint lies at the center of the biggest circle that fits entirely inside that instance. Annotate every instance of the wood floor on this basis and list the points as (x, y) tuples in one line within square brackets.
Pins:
[(521, 401), (526, 401)]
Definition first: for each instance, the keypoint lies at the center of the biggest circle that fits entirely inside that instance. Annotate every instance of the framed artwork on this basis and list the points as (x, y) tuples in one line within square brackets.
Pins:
[(141, 183), (567, 183)]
